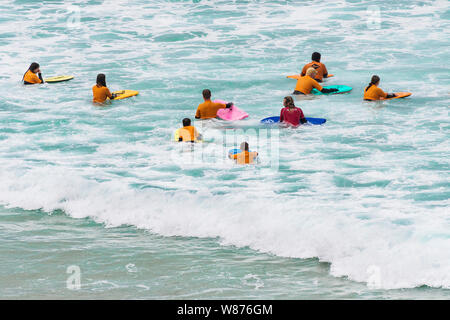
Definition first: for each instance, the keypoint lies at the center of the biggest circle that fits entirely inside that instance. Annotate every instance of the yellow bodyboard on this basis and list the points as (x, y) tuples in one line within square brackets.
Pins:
[(177, 135), (122, 94), (58, 79), (399, 95)]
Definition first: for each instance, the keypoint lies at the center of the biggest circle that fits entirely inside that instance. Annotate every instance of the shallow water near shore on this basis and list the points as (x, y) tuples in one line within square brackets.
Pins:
[(356, 208)]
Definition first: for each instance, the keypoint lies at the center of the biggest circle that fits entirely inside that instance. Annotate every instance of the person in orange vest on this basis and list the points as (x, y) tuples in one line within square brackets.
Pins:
[(306, 83), (100, 91), (245, 156), (321, 69), (372, 92), (208, 109), (188, 133), (33, 74)]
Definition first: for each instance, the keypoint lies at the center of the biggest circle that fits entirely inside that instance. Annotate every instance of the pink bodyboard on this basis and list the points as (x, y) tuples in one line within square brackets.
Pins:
[(231, 114)]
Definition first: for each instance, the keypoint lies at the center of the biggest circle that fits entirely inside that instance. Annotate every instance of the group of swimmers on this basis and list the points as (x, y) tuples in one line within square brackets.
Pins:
[(311, 74), (315, 71)]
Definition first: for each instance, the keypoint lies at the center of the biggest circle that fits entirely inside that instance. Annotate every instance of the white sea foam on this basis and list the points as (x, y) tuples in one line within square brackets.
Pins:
[(408, 254)]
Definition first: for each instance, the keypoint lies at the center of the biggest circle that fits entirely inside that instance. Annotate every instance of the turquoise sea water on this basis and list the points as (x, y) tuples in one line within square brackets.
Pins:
[(357, 208)]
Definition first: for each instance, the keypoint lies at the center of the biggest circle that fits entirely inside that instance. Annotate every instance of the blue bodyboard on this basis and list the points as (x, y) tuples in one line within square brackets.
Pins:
[(315, 121)]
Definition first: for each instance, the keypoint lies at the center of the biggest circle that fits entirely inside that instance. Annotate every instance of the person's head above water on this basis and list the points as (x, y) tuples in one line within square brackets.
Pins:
[(244, 146), (34, 67), (101, 80), (186, 122), (374, 81), (288, 102), (206, 94), (316, 57), (311, 72)]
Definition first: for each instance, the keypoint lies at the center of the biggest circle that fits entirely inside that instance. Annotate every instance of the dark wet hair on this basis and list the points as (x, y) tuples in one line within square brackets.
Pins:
[(289, 102), (32, 67), (206, 94), (374, 80), (186, 122), (316, 57), (101, 80), (244, 146)]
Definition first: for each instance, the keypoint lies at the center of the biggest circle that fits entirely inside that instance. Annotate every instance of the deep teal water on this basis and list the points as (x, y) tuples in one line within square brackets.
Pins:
[(357, 208)]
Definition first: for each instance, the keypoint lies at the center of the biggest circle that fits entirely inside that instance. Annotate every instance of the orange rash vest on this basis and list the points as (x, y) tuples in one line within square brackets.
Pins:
[(374, 93), (245, 157), (100, 94), (320, 68), (208, 109), (31, 77), (306, 84), (188, 133)]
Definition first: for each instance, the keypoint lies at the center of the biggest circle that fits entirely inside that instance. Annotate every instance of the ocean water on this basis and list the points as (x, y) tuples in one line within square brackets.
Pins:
[(356, 208)]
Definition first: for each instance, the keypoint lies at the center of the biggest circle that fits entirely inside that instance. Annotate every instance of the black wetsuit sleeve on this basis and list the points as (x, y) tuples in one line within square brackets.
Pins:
[(390, 95), (229, 104), (303, 120), (325, 90), (40, 77)]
